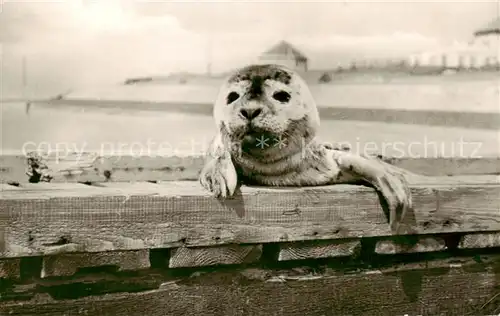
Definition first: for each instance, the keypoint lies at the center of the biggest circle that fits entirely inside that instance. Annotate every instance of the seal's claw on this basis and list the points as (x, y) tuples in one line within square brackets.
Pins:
[(395, 191), (388, 180), (219, 177)]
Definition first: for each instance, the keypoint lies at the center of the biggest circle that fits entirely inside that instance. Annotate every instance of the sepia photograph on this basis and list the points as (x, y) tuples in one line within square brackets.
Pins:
[(249, 158)]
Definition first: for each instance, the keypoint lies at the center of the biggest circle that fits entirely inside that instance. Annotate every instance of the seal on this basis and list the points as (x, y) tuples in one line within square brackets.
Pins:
[(266, 124)]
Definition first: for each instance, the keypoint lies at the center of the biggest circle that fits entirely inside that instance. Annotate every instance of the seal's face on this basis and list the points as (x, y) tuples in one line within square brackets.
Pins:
[(262, 107)]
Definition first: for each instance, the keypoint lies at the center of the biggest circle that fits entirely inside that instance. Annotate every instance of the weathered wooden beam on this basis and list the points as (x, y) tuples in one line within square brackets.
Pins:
[(480, 240), (88, 167), (69, 263), (10, 268), (454, 286), (38, 219), (420, 245), (318, 249), (208, 256)]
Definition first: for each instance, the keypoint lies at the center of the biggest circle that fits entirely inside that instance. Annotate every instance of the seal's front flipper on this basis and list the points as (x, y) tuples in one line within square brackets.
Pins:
[(219, 177), (386, 179), (219, 174)]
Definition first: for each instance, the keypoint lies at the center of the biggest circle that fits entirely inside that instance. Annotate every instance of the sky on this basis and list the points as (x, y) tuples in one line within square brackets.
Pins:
[(77, 43)]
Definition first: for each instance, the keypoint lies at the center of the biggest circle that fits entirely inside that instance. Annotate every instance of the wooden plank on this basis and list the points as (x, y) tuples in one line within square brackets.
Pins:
[(69, 263), (183, 214), (209, 256), (10, 268), (88, 167), (321, 249), (404, 289), (480, 240), (421, 244)]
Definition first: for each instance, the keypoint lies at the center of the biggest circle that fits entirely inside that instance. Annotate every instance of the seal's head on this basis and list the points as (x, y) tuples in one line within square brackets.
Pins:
[(265, 108)]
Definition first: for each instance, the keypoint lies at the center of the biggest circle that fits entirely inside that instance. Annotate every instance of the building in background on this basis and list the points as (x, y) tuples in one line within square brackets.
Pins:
[(285, 54), (483, 51), (492, 29), (489, 37)]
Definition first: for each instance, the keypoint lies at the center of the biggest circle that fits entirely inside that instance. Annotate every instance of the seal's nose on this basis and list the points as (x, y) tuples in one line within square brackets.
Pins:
[(250, 114)]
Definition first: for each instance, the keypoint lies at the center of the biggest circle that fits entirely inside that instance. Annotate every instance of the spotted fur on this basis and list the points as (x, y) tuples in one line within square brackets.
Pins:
[(273, 103)]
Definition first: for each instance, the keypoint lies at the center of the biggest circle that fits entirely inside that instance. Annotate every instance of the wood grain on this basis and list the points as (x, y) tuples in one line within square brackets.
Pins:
[(68, 264), (10, 268), (209, 256), (181, 214), (471, 288), (421, 244), (480, 240), (321, 249), (89, 167)]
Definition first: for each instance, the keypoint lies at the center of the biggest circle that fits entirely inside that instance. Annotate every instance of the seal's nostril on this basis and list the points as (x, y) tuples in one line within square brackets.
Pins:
[(244, 113), (255, 113), (250, 114)]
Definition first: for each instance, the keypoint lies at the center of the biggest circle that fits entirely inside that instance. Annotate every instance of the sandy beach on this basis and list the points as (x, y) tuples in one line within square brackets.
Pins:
[(177, 117), (104, 129)]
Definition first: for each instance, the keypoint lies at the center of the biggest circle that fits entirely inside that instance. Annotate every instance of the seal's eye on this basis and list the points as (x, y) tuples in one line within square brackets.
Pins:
[(231, 97), (282, 96)]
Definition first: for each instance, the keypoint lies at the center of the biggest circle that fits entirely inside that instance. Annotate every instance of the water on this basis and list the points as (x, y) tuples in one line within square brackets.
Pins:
[(106, 131), (429, 94), (132, 131)]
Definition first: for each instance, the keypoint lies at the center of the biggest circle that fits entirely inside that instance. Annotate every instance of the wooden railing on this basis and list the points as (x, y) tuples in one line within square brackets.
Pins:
[(90, 242)]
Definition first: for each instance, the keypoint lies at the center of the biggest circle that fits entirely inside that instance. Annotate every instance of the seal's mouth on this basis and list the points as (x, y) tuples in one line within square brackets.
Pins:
[(257, 138)]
